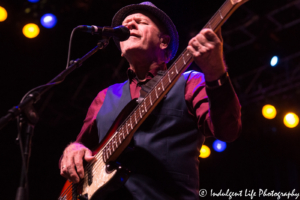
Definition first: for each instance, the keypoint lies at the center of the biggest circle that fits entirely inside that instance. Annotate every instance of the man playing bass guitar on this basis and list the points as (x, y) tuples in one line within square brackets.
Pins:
[(165, 148)]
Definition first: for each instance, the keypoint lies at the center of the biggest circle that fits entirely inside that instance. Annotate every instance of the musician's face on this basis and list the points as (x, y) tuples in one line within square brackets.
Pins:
[(144, 37)]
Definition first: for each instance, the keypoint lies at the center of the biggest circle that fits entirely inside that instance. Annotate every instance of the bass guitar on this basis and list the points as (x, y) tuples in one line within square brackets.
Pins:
[(103, 175)]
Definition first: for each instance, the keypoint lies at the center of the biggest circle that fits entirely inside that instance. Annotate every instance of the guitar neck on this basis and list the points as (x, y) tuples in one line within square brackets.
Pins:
[(163, 86), (225, 11)]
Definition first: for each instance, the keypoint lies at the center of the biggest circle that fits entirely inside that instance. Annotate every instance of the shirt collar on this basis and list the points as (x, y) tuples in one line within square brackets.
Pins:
[(153, 72)]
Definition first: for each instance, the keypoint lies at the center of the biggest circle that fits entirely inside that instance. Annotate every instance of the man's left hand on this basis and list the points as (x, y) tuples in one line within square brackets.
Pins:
[(207, 49)]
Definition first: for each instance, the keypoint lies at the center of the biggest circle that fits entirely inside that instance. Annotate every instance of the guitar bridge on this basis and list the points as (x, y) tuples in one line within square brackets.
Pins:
[(83, 197)]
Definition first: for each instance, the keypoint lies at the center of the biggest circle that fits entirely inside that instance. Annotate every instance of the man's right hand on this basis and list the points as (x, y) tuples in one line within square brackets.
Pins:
[(71, 165)]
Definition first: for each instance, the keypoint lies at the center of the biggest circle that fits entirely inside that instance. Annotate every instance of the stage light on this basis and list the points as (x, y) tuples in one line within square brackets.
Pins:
[(3, 14), (269, 111), (204, 151), (291, 120), (31, 30), (33, 1), (219, 145), (274, 61), (48, 20)]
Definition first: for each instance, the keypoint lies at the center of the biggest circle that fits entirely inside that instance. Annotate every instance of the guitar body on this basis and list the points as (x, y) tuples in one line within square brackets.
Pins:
[(100, 187), (96, 190), (110, 175)]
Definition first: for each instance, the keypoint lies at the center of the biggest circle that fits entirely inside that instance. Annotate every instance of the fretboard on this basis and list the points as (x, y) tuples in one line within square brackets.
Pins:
[(163, 86)]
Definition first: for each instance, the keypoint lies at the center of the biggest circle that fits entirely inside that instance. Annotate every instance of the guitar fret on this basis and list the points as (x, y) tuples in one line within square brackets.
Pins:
[(156, 93), (145, 105), (162, 84), (131, 123), (109, 148), (104, 154), (115, 143), (221, 15), (127, 129), (176, 68), (169, 77), (123, 132), (106, 151), (135, 117), (120, 141), (140, 113), (112, 144), (150, 99), (183, 60)]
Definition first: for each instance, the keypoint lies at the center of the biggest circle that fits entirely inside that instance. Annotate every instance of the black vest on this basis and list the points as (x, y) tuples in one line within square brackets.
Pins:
[(166, 145)]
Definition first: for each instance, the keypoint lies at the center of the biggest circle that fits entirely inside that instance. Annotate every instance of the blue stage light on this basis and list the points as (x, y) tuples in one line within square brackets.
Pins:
[(219, 146), (274, 61), (33, 1), (48, 20)]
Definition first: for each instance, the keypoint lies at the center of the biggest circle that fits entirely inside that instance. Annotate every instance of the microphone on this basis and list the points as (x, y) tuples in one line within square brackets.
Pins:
[(120, 33)]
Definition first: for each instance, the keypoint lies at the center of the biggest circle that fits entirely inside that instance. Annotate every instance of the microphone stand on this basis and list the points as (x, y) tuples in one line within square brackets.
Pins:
[(27, 117)]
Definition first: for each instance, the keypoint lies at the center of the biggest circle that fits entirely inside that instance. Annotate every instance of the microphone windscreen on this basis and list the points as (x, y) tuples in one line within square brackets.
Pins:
[(122, 33)]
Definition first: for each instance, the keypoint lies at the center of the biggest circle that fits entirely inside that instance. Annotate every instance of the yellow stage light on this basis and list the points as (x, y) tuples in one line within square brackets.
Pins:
[(269, 111), (291, 120), (204, 151), (3, 14), (31, 30)]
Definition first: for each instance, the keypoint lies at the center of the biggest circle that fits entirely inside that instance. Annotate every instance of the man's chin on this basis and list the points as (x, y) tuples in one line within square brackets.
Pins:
[(134, 49)]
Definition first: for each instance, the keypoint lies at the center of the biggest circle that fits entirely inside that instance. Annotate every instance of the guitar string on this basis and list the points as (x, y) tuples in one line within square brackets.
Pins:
[(68, 192), (163, 79)]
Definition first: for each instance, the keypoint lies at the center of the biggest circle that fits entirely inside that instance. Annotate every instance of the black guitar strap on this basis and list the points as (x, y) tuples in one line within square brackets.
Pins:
[(150, 85)]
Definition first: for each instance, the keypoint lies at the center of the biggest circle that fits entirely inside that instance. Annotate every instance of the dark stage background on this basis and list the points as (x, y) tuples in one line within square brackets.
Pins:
[(266, 155)]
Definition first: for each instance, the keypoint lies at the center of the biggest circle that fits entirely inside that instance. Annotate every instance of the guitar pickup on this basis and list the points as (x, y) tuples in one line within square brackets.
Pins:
[(90, 176)]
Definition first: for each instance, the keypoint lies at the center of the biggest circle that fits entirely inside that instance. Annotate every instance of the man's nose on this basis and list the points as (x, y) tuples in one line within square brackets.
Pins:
[(132, 25)]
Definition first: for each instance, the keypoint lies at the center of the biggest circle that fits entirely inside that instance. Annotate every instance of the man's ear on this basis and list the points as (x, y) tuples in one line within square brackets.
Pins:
[(164, 41)]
